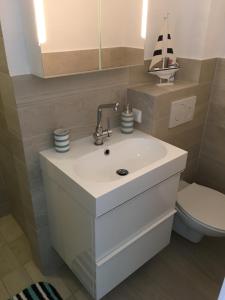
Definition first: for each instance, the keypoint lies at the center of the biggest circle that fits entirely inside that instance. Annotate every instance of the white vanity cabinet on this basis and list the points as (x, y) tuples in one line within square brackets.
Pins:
[(103, 251), (105, 239)]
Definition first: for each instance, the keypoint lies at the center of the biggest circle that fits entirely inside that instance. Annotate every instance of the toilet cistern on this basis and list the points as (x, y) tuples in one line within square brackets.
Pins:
[(101, 133)]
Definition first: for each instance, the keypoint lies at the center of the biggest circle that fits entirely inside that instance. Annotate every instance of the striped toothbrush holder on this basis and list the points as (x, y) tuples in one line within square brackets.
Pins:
[(62, 140)]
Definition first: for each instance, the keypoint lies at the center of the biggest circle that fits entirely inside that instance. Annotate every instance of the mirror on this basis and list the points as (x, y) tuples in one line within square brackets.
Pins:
[(72, 36), (77, 36), (122, 41)]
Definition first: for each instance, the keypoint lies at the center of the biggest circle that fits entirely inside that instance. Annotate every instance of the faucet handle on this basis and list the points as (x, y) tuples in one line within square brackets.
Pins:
[(109, 127)]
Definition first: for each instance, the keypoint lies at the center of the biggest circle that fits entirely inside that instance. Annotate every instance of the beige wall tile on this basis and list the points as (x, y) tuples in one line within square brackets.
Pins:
[(6, 88), (144, 103), (12, 120), (211, 173), (1, 31), (16, 146), (139, 74), (219, 78), (214, 142), (208, 70), (212, 159), (3, 60), (217, 96), (190, 69), (30, 89)]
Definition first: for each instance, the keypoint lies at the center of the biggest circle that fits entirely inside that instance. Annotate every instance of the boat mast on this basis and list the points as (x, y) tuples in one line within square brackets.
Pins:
[(165, 37)]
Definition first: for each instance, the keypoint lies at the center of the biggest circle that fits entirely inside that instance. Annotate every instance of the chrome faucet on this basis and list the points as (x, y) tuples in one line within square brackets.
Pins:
[(100, 134)]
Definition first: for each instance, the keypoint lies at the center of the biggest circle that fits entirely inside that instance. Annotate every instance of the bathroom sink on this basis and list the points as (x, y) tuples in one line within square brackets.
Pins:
[(131, 154), (93, 169)]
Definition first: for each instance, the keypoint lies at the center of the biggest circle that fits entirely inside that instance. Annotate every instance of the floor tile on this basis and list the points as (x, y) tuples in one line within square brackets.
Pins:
[(21, 249), (82, 295), (8, 261), (58, 283), (55, 280), (70, 298), (2, 240), (3, 292), (16, 281), (183, 270), (70, 280), (9, 229), (34, 272)]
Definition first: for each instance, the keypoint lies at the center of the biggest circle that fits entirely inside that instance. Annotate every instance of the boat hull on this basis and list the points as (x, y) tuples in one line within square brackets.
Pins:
[(166, 74)]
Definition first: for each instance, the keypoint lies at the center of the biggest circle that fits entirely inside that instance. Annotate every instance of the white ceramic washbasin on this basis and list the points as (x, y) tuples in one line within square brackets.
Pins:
[(130, 154), (88, 171)]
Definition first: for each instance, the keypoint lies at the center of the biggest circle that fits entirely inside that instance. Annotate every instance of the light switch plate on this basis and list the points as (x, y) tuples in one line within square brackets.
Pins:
[(182, 111), (137, 115)]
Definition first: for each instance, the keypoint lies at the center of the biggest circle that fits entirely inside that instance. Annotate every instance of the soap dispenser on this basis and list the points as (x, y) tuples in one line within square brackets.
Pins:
[(127, 119)]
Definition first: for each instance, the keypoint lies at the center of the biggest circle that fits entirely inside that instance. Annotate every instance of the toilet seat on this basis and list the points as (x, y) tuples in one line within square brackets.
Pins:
[(204, 205)]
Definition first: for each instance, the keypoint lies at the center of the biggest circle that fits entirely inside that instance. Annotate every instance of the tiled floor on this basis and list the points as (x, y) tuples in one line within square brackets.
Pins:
[(182, 271)]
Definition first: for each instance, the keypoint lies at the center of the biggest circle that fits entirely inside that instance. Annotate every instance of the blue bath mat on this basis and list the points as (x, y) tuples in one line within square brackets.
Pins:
[(38, 291)]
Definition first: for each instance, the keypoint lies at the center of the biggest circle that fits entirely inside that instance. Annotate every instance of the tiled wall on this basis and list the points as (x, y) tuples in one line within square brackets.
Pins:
[(4, 152), (10, 146), (155, 103), (35, 107), (4, 191), (212, 158), (69, 102)]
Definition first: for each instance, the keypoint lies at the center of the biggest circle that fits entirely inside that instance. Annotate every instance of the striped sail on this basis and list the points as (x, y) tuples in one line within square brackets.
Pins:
[(163, 51)]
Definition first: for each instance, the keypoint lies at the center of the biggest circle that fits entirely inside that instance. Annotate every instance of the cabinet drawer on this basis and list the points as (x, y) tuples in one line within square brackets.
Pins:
[(120, 224), (115, 268)]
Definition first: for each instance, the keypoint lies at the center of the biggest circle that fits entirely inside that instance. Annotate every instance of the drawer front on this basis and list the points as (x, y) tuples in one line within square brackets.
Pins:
[(120, 224), (115, 268)]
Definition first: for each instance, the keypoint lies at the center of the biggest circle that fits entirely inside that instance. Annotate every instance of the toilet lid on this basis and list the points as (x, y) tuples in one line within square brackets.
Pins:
[(203, 204)]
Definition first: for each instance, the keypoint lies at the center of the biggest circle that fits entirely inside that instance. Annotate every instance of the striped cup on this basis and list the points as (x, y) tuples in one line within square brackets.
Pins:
[(62, 140)]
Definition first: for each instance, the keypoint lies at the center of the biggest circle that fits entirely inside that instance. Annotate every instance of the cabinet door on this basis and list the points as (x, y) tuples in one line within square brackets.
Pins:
[(72, 36), (122, 32), (126, 221)]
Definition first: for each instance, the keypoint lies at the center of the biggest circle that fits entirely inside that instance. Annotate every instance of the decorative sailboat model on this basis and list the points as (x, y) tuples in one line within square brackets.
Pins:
[(164, 63)]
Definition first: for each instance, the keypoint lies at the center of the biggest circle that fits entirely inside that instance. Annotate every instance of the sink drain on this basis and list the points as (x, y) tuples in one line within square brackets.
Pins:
[(122, 172)]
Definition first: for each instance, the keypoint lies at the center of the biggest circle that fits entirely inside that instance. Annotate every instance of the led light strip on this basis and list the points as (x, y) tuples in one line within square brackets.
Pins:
[(144, 19), (40, 21)]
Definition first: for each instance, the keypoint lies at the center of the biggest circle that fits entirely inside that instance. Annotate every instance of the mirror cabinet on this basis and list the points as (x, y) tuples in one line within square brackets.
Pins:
[(78, 36)]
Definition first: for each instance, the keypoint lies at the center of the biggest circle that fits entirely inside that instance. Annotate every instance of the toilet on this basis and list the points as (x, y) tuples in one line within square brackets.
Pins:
[(200, 211)]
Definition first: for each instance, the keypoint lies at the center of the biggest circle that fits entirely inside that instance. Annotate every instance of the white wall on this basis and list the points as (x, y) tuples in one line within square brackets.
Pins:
[(197, 27), (215, 38), (188, 24), (12, 28)]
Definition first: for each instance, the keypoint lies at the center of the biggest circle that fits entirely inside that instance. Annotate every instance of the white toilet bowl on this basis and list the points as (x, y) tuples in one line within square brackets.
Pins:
[(200, 211)]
